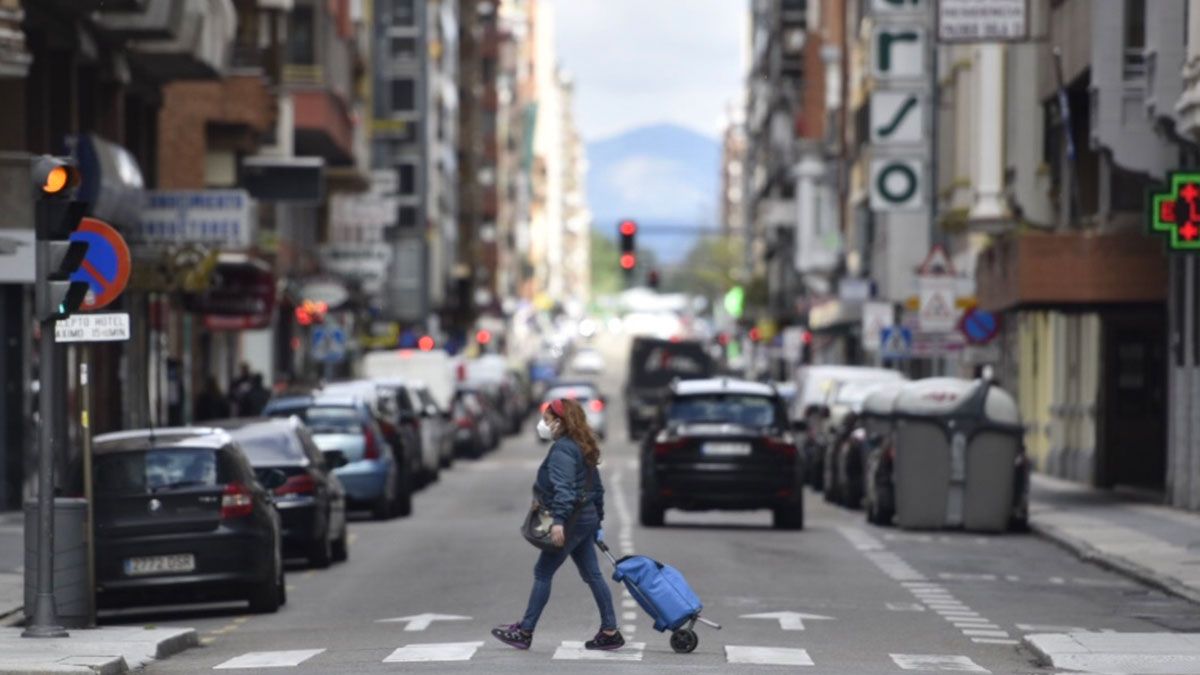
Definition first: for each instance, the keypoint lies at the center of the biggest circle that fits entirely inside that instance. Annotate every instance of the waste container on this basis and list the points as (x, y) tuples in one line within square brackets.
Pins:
[(958, 455), (878, 421), (70, 560)]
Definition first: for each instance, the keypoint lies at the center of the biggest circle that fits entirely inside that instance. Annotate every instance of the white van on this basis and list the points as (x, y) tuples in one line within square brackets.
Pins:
[(436, 369)]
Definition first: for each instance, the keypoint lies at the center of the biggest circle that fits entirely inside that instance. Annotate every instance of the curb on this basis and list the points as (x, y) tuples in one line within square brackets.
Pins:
[(11, 617), (1117, 564), (174, 645)]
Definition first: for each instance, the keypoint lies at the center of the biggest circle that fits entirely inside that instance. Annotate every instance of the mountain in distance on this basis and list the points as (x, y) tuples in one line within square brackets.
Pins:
[(659, 175)]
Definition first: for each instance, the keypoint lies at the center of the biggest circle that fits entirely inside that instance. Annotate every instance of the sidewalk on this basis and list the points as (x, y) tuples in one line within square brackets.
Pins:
[(1155, 544), (106, 651), (12, 560)]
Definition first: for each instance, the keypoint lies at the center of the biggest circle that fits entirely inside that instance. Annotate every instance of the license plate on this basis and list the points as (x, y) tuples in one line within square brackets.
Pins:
[(157, 564), (726, 449)]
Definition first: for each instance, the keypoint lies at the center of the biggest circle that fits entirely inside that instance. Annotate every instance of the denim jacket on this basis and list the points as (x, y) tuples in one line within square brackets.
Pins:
[(561, 479)]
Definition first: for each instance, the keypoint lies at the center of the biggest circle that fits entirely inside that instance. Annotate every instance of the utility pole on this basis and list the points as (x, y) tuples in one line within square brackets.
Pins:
[(56, 297)]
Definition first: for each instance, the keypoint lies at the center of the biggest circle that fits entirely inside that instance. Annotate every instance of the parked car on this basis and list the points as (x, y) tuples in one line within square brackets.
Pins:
[(588, 361), (491, 372), (846, 454), (393, 409), (312, 501), (180, 510), (595, 405), (816, 385), (653, 365), (490, 399), (436, 369), (351, 440), (435, 422), (722, 444), (474, 430)]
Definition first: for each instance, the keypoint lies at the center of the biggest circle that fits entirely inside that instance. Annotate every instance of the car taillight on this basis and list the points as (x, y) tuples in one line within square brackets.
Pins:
[(596, 405), (370, 444), (236, 501), (663, 448), (297, 485), (781, 446), (462, 422), (890, 453)]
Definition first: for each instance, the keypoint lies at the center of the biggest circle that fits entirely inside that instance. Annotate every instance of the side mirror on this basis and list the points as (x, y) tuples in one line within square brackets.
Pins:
[(800, 426), (431, 410), (272, 478), (335, 459)]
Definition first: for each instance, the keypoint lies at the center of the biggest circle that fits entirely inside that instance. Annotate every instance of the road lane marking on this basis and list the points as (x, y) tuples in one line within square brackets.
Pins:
[(767, 656), (962, 664), (1045, 628), (628, 603), (788, 620), (966, 577), (995, 641), (419, 622), (906, 607), (206, 641), (981, 633), (437, 651), (571, 650), (629, 628), (280, 659), (629, 616)]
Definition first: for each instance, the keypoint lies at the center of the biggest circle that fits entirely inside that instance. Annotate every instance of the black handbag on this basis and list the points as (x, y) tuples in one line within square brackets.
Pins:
[(539, 520)]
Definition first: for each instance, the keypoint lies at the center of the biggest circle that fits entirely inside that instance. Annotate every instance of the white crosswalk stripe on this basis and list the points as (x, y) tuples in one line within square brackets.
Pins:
[(571, 650), (928, 662), (767, 656), (280, 659), (431, 652)]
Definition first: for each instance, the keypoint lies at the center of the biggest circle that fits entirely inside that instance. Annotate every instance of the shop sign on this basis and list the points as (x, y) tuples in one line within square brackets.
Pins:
[(962, 21), (222, 219), (1176, 212), (897, 184)]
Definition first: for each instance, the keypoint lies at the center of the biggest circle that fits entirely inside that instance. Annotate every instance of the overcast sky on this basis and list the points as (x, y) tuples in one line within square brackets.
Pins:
[(639, 62)]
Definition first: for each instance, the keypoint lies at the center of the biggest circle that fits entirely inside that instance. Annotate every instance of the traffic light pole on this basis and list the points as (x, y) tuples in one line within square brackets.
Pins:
[(44, 621)]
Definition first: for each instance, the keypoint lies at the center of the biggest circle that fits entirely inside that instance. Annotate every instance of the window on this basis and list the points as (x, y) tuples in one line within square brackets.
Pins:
[(404, 48), (1135, 24), (407, 174), (155, 470), (755, 411), (404, 13), (407, 216), (404, 95), (302, 39)]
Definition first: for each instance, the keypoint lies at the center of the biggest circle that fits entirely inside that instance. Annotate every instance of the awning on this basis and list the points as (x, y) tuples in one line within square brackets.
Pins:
[(284, 179)]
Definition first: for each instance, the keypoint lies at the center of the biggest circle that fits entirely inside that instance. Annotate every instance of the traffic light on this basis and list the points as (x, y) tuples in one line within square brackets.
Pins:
[(627, 230), (652, 279), (56, 216)]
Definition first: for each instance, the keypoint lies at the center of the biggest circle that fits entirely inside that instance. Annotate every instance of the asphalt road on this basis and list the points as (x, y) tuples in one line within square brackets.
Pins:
[(879, 600)]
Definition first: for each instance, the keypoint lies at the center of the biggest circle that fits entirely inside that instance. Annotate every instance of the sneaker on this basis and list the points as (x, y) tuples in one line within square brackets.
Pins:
[(513, 635), (605, 642)]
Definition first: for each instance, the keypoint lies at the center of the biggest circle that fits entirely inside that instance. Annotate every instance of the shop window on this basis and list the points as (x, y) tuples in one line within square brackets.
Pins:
[(407, 174), (407, 217), (302, 41), (404, 95)]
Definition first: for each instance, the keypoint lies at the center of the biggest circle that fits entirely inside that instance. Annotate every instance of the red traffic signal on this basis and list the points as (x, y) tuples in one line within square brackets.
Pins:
[(483, 336), (425, 344), (755, 334), (628, 228), (628, 261)]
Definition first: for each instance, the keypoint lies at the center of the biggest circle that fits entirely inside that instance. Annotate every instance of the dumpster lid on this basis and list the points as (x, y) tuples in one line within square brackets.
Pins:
[(950, 396), (881, 401)]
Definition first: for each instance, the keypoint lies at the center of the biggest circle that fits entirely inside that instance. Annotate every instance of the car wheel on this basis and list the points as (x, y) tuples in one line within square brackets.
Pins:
[(341, 547), (385, 504), (789, 517), (403, 504), (266, 598), (651, 512), (320, 553)]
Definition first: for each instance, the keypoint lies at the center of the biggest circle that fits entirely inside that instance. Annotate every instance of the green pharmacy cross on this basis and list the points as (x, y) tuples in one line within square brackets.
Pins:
[(1177, 212)]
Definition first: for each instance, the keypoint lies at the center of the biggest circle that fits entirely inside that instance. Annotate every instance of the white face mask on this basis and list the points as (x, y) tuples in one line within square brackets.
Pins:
[(544, 431)]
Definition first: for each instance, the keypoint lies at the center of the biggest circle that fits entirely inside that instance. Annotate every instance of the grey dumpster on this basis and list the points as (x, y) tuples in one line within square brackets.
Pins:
[(878, 421), (70, 560), (958, 443)]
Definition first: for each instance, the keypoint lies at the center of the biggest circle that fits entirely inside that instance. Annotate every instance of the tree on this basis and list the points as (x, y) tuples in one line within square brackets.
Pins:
[(708, 269)]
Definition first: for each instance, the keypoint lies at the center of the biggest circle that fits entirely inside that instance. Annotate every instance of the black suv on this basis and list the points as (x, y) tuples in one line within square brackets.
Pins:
[(653, 365), (722, 444)]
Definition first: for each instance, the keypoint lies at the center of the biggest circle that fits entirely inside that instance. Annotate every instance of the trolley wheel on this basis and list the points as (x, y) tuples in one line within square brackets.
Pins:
[(684, 641)]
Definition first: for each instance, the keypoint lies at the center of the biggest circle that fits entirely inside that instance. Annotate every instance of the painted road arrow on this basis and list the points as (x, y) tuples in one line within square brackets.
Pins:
[(789, 620), (423, 621)]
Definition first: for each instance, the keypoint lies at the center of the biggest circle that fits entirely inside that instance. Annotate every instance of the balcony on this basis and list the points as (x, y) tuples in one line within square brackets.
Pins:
[(175, 39), (323, 126), (1071, 268)]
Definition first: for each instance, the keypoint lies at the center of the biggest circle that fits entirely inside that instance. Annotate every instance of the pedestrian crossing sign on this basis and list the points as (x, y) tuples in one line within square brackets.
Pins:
[(895, 342), (328, 344)]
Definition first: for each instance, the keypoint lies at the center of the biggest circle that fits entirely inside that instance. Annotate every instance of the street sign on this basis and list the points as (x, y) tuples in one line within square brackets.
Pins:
[(896, 342), (937, 313), (979, 326), (937, 262), (897, 184), (106, 266), (897, 117), (876, 317), (962, 21), (328, 344), (898, 52), (92, 328)]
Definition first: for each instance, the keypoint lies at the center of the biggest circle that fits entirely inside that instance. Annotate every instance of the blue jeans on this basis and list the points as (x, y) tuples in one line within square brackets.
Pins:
[(582, 550)]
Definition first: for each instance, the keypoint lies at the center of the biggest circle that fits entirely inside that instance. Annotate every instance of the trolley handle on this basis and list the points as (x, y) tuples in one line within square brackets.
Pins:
[(604, 547)]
